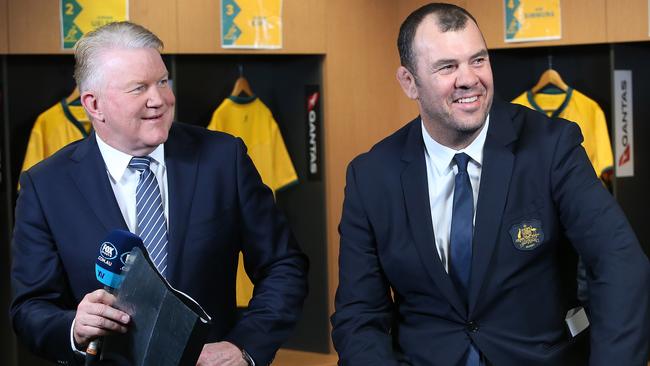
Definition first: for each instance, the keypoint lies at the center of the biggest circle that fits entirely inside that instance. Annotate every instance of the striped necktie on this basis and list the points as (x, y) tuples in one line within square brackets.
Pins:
[(152, 226)]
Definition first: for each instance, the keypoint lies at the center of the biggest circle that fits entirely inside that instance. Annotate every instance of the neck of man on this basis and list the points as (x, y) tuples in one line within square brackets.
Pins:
[(453, 139), (143, 151)]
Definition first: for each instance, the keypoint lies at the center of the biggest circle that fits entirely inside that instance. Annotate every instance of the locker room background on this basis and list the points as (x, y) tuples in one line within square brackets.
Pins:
[(31, 84), (201, 83), (354, 42)]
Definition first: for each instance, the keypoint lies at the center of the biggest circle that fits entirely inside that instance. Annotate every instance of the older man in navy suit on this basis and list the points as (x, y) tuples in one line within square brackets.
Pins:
[(210, 205), (460, 231)]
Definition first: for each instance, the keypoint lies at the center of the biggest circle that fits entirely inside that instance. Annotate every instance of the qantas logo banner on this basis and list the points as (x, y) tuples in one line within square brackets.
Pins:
[(313, 120), (623, 118)]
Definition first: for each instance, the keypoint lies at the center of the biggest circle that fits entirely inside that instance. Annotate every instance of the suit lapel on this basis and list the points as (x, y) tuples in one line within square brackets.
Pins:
[(416, 197), (498, 160), (181, 160), (92, 181)]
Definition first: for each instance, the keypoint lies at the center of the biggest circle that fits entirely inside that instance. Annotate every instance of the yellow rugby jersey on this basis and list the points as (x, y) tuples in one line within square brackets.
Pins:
[(579, 108), (58, 126), (252, 121)]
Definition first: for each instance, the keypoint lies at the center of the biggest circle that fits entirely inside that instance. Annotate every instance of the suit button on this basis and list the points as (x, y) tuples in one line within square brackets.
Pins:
[(472, 327)]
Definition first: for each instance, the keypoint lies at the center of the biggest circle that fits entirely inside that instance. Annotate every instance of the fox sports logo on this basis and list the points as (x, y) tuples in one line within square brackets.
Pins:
[(108, 250)]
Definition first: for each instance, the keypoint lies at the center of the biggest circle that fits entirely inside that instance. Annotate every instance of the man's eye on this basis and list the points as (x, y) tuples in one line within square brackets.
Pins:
[(445, 69), (163, 82), (139, 88)]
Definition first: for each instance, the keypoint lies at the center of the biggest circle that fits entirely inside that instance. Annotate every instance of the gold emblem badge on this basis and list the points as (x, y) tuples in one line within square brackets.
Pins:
[(527, 235)]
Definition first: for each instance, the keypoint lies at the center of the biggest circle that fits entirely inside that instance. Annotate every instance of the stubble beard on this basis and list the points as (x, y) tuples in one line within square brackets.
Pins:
[(454, 132)]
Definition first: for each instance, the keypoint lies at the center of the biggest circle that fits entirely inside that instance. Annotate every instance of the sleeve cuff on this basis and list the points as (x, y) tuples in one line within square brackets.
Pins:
[(247, 357), (72, 344)]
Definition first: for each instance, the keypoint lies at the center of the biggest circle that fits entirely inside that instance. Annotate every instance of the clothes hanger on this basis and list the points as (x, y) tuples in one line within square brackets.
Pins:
[(241, 85), (551, 78)]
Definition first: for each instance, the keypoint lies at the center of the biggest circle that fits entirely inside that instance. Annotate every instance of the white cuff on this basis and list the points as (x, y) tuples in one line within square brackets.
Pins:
[(74, 348)]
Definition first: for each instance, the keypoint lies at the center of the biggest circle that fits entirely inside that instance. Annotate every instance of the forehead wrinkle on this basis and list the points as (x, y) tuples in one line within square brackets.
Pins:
[(124, 67), (455, 44)]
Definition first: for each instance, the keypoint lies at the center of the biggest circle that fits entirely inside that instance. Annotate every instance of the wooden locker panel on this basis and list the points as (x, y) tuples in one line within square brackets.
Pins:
[(303, 26), (583, 22), (34, 27), (4, 29), (198, 26), (159, 16), (360, 97), (627, 20)]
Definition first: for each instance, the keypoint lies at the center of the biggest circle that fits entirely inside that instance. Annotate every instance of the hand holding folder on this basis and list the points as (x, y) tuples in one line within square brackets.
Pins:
[(168, 327)]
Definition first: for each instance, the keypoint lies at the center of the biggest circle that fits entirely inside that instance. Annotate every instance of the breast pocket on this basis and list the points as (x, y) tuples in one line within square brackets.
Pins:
[(525, 227)]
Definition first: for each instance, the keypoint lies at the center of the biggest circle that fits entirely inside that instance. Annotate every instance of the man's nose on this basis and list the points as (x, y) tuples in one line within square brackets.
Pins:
[(467, 77), (154, 98)]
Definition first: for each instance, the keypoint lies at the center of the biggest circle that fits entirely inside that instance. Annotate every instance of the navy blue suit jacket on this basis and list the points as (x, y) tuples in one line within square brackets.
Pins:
[(534, 173), (217, 207)]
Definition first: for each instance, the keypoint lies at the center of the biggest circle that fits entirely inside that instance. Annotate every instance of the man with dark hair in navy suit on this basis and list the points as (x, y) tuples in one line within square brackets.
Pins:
[(460, 232), (207, 200)]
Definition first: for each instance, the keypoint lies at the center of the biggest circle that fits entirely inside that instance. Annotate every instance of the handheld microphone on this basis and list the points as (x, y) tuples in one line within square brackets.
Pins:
[(109, 265)]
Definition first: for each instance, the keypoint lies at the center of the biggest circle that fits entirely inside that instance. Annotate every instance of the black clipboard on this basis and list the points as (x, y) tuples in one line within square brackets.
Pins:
[(168, 327)]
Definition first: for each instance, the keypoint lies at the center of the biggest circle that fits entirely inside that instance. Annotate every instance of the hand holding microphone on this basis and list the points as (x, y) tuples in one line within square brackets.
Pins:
[(96, 316)]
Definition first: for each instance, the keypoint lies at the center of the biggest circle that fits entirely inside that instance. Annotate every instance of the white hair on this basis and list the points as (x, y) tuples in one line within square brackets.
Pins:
[(125, 35)]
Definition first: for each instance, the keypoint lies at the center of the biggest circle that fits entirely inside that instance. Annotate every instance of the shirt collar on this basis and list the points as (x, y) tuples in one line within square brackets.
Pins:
[(117, 162), (441, 156)]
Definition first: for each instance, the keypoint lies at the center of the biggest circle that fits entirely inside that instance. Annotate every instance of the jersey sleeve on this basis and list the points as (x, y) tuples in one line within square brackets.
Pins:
[(284, 173), (604, 158)]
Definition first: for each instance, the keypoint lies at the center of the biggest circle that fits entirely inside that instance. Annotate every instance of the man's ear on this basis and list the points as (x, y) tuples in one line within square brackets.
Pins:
[(407, 82), (91, 104)]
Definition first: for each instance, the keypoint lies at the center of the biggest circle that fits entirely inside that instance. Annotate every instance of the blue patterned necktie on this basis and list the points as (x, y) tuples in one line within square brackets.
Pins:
[(152, 226), (460, 244)]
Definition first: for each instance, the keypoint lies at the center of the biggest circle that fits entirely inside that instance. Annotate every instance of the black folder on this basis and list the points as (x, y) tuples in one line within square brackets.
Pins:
[(167, 326)]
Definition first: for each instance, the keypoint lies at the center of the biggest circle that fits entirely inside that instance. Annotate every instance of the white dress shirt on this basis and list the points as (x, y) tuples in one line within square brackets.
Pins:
[(441, 173), (124, 182)]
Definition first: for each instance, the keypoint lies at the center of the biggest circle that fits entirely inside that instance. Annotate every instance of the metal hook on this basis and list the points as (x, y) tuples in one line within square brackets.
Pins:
[(550, 59), (241, 70)]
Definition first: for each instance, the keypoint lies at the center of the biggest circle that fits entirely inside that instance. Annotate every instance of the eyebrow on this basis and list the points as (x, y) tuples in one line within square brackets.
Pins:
[(140, 81), (481, 53)]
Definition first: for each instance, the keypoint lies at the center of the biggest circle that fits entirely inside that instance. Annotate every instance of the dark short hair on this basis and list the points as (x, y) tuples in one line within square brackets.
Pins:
[(449, 18)]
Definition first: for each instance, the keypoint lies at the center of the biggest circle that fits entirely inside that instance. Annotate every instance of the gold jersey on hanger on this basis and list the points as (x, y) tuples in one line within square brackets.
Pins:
[(252, 121), (58, 126), (577, 107)]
